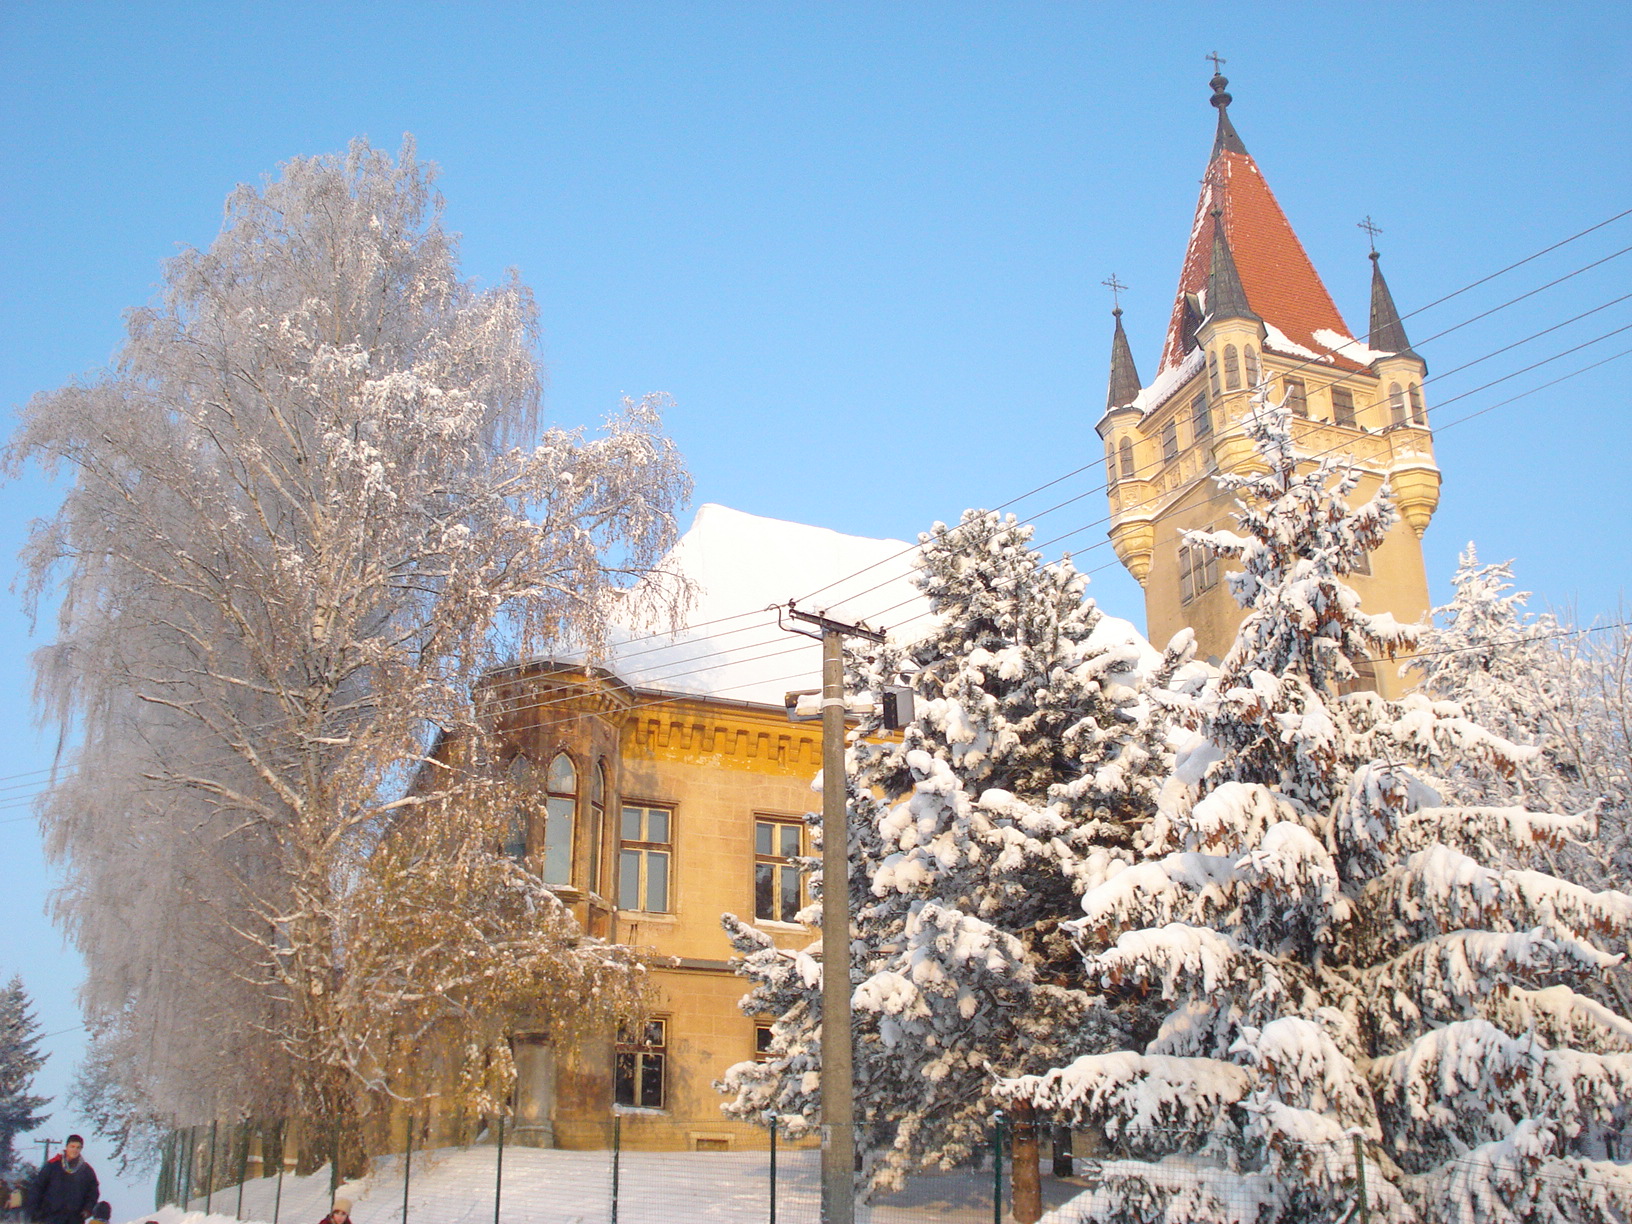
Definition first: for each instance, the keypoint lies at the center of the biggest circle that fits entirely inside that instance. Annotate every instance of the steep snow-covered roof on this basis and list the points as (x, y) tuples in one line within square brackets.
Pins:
[(739, 565)]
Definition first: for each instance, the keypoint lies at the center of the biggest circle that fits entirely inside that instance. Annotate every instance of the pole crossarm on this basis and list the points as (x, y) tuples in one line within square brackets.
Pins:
[(828, 625)]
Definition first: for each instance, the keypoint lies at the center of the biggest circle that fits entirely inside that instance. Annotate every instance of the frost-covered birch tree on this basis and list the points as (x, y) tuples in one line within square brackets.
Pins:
[(971, 840), (308, 507), (1332, 949)]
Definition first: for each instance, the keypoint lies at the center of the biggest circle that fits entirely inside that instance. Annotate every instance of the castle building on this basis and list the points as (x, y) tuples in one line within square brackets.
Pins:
[(1251, 316)]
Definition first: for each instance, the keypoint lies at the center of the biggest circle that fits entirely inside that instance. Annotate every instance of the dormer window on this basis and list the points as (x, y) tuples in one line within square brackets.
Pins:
[(561, 812), (1396, 405), (1232, 369), (1201, 417), (1343, 407), (1255, 373), (1419, 414)]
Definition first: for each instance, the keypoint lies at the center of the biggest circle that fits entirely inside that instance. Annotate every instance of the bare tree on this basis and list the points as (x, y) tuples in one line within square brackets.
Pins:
[(307, 509)]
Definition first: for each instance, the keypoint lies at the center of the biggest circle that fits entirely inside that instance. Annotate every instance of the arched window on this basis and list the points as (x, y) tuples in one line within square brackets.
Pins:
[(1125, 450), (1396, 405), (1232, 369), (1255, 372), (561, 812), (1110, 464), (1419, 414), (597, 826), (1212, 374), (514, 843)]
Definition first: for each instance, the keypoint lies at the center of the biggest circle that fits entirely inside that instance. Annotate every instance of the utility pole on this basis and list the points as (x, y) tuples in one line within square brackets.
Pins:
[(47, 1144), (838, 1083)]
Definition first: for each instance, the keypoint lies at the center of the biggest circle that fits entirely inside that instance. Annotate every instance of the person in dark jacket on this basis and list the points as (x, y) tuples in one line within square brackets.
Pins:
[(66, 1190)]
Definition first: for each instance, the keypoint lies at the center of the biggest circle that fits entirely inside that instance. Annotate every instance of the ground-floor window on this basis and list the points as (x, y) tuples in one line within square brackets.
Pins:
[(642, 1061)]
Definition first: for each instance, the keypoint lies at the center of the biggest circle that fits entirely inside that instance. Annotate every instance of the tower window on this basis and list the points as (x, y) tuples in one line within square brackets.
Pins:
[(1232, 369), (561, 812), (643, 859), (1212, 374), (1297, 396), (1170, 441), (1201, 417), (642, 1055), (1396, 405), (1110, 464), (1198, 571), (1343, 406), (778, 889), (1125, 451), (1255, 373), (1419, 414), (514, 845)]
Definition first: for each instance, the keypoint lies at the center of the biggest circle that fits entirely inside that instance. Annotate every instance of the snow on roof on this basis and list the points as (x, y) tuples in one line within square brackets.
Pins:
[(1168, 382), (739, 565), (1348, 346)]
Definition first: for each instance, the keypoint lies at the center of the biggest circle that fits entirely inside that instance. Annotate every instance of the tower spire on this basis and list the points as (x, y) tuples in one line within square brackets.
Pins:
[(1387, 332), (1226, 299), (1124, 385), (1226, 141)]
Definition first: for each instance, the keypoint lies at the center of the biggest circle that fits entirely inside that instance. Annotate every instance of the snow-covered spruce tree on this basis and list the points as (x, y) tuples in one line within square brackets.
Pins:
[(20, 1061), (1334, 951), (971, 840), (307, 509)]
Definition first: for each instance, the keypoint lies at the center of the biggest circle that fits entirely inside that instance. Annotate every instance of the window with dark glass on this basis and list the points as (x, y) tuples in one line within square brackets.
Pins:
[(1255, 373), (1125, 451), (1201, 417), (560, 814), (1297, 396), (641, 1057), (1212, 374), (514, 843), (763, 1041), (1343, 406), (778, 884), (645, 846), (1396, 405), (1170, 441), (1419, 414), (1232, 369), (597, 826)]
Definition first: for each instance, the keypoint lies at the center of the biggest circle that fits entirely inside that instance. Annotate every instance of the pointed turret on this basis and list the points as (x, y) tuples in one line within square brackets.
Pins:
[(1124, 388), (1226, 299), (1387, 332), (1226, 141)]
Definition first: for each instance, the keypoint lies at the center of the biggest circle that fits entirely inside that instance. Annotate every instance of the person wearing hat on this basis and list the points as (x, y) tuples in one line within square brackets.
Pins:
[(340, 1213), (66, 1190), (102, 1213)]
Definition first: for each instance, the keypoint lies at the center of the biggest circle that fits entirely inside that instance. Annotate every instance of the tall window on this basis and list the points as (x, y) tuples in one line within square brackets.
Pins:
[(1170, 441), (642, 1053), (1201, 417), (597, 825), (1212, 374), (1124, 450), (1396, 405), (1198, 571), (1419, 414), (1297, 397), (643, 859), (1110, 464), (514, 844), (1255, 373), (561, 812), (777, 886), (1232, 369), (1343, 406)]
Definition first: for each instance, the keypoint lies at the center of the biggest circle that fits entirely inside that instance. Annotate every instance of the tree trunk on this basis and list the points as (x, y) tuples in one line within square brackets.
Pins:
[(1026, 1178)]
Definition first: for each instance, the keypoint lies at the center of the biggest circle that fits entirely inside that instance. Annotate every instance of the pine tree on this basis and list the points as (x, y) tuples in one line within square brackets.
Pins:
[(1332, 950), (20, 1060), (970, 841)]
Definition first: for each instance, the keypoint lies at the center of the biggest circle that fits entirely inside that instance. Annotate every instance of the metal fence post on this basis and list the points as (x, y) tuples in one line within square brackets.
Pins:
[(617, 1155), (187, 1177), (209, 1178), (334, 1161), (243, 1166), (277, 1197), (997, 1167), (407, 1164), (498, 1175), (1360, 1178), (773, 1171)]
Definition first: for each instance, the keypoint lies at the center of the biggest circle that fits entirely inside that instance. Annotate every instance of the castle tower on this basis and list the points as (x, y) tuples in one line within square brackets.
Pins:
[(1251, 312)]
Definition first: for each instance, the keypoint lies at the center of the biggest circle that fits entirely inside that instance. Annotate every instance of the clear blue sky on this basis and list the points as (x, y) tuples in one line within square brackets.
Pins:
[(861, 245)]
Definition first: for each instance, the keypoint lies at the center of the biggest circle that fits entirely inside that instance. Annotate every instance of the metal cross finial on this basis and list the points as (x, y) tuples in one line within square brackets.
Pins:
[(1372, 230), (1116, 287), (1218, 62)]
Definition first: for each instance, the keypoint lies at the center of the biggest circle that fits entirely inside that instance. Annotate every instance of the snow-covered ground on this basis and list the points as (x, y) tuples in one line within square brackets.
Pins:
[(455, 1186)]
